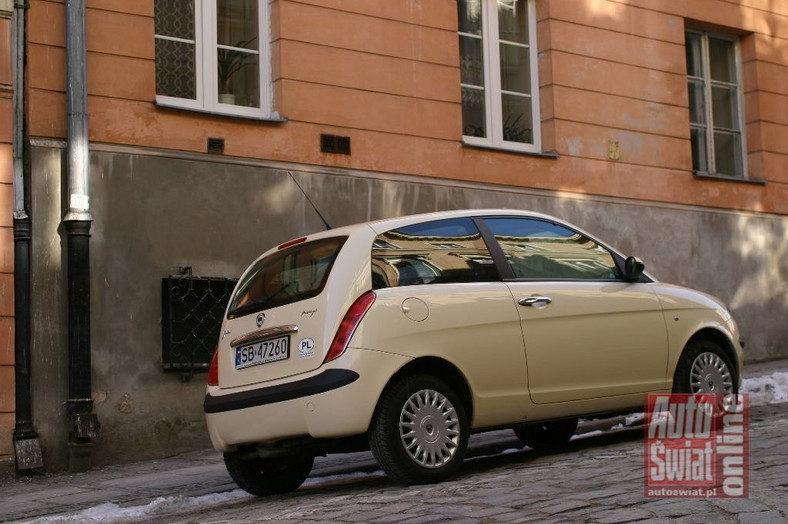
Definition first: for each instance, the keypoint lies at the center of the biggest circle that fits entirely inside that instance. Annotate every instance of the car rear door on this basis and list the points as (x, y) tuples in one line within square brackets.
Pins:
[(278, 321), (587, 333)]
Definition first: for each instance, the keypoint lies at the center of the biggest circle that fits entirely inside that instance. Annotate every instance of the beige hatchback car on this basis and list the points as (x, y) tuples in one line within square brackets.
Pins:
[(406, 335)]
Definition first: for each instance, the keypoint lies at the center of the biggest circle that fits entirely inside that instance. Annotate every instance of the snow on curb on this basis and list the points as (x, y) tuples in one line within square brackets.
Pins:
[(769, 389)]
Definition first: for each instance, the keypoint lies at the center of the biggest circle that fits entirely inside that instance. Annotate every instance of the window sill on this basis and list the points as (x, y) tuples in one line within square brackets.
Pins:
[(727, 178), (507, 150), (275, 118)]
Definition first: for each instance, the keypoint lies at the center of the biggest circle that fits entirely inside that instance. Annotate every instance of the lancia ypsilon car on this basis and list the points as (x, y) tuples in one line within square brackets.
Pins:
[(406, 335)]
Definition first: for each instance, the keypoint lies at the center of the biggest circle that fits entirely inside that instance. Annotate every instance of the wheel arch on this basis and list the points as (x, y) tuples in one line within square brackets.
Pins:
[(441, 369), (722, 340)]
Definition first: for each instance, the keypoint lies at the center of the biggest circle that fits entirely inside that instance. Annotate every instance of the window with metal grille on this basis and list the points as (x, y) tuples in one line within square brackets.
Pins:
[(213, 55), (191, 317)]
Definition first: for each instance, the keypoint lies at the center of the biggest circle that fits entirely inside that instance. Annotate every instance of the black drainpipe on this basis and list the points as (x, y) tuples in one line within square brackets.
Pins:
[(83, 423), (26, 446)]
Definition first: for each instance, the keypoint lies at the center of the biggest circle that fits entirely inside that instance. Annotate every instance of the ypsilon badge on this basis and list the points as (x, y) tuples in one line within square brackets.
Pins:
[(306, 348), (260, 319)]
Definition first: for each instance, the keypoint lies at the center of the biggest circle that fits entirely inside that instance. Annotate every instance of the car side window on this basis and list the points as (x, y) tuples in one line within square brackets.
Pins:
[(544, 250), (441, 251)]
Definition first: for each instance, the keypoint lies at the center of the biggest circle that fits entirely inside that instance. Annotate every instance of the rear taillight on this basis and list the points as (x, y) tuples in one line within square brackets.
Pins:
[(213, 371), (349, 324)]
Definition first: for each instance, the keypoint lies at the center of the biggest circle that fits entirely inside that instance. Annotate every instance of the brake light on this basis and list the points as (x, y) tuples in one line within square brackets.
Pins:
[(290, 243), (213, 371), (349, 324)]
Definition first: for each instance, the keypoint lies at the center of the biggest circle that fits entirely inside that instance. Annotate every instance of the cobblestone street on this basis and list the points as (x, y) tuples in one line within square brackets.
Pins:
[(599, 479)]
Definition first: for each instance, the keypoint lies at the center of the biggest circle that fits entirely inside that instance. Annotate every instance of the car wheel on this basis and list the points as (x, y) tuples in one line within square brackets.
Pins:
[(549, 434), (704, 368), (268, 476), (419, 432)]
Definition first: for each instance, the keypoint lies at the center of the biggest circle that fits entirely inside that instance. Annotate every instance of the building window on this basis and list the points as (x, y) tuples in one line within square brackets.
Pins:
[(715, 103), (212, 55), (498, 74)]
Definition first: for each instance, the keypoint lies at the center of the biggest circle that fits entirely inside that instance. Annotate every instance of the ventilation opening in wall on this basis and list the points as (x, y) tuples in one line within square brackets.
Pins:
[(215, 145), (335, 144)]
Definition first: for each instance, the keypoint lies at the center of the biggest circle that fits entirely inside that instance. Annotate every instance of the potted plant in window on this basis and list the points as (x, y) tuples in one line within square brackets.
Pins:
[(229, 62)]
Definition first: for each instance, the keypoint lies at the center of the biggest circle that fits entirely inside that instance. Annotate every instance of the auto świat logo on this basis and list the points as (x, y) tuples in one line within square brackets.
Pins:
[(260, 319), (696, 446)]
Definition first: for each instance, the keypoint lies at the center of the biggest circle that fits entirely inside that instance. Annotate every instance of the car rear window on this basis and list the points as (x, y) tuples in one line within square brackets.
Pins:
[(441, 251), (293, 274)]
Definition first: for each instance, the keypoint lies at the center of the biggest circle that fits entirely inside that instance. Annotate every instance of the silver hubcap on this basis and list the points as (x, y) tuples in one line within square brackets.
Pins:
[(429, 428), (709, 374)]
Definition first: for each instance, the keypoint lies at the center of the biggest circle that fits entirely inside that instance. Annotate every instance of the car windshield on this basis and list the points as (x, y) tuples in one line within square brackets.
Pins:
[(296, 273)]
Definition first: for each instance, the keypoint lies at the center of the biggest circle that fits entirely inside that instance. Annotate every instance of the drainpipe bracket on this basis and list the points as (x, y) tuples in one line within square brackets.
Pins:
[(78, 216)]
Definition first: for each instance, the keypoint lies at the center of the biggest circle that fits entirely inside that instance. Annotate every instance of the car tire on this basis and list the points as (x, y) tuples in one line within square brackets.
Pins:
[(419, 433), (546, 435), (269, 476), (704, 368)]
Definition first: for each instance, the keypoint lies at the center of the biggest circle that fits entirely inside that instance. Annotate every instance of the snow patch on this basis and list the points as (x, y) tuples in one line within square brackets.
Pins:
[(769, 389), (113, 513)]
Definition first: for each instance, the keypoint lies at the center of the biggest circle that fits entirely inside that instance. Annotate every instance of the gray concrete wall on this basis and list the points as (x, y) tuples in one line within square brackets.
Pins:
[(154, 213)]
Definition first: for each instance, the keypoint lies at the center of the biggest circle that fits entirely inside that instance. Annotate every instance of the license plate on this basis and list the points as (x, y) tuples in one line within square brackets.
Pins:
[(262, 352)]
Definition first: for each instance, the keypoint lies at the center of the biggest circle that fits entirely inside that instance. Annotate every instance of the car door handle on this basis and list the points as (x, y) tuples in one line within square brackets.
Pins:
[(535, 301)]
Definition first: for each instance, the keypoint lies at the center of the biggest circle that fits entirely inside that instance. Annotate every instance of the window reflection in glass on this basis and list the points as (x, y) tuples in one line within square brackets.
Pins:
[(724, 107), (517, 121), (442, 251), (727, 153), (722, 60), (237, 53), (469, 16), (543, 250), (513, 21)]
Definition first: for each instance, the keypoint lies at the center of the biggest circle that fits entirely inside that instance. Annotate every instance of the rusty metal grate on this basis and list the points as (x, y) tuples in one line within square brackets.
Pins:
[(191, 316)]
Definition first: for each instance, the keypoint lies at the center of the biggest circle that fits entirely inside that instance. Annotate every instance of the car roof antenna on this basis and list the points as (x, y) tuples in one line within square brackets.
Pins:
[(309, 200)]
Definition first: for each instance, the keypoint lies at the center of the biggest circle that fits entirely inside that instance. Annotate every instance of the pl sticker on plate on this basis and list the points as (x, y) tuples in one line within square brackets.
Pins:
[(306, 348)]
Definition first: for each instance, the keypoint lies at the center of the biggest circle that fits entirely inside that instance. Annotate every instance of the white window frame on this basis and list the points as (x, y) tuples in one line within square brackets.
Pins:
[(205, 45), (708, 83), (492, 82)]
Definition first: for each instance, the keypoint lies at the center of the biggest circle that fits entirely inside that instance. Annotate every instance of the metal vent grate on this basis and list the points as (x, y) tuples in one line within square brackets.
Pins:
[(216, 145), (335, 144), (191, 316)]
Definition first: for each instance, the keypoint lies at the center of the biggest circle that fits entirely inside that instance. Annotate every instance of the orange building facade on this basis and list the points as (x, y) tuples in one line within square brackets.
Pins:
[(7, 393), (219, 131)]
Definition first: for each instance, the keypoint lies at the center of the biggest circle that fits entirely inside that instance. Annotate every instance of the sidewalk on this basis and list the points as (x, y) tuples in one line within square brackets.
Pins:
[(188, 475)]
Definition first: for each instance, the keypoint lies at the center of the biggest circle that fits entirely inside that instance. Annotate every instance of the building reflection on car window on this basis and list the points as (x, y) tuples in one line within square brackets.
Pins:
[(544, 250), (440, 251)]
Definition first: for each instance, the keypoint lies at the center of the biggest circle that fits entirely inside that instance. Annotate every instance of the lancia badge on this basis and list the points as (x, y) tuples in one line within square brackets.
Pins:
[(260, 319)]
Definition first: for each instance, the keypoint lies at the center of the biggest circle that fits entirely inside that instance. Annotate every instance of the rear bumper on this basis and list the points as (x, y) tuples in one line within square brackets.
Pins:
[(337, 400), (326, 381)]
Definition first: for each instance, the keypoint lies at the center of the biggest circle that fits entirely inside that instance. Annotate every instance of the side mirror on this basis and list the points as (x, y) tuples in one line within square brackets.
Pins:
[(633, 268)]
